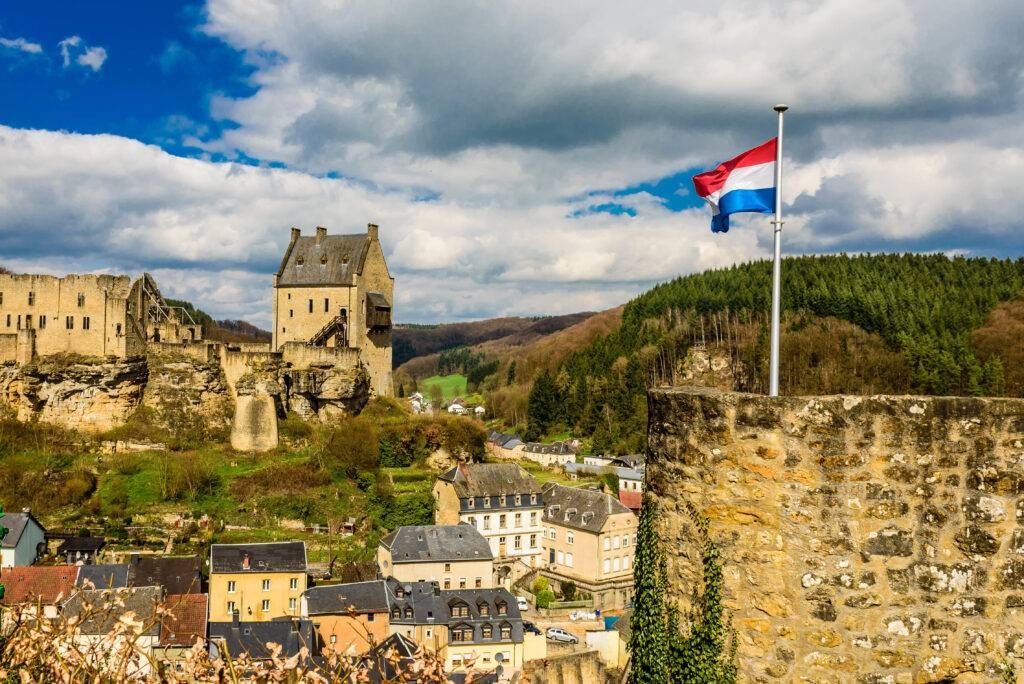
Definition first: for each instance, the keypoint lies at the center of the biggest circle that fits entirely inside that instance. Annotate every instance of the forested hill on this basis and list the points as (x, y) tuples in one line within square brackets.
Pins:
[(891, 323)]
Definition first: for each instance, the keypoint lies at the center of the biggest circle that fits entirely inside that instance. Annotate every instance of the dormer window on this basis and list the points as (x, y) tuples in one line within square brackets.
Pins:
[(487, 502), (459, 610), (471, 503), (503, 500), (519, 499), (487, 632), (299, 261), (533, 498), (506, 631), (400, 592), (484, 609), (323, 260), (395, 613), (408, 613)]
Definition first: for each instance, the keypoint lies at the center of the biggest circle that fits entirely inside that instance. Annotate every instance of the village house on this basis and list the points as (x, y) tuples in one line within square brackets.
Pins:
[(103, 576), (181, 625), (81, 550), (24, 541), (44, 585), (335, 291), (502, 445), (391, 660), (347, 618), (92, 315), (454, 556), (255, 639), (99, 612), (547, 455), (476, 628), (589, 541), (503, 502), (259, 582), (176, 574)]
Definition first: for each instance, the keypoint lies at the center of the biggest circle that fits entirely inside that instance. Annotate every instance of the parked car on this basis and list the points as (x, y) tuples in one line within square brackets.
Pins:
[(530, 627), (559, 634), (522, 603)]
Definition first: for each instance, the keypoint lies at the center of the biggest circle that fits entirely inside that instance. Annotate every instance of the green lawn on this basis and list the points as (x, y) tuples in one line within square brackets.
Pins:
[(451, 386)]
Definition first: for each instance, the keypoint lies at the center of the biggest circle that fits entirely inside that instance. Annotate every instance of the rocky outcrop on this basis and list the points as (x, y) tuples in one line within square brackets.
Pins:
[(75, 392), (326, 392), (863, 539), (708, 366), (180, 387)]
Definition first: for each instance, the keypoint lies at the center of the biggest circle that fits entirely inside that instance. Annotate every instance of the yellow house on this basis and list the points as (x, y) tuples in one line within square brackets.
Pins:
[(336, 291), (454, 556), (258, 581), (348, 618), (589, 541)]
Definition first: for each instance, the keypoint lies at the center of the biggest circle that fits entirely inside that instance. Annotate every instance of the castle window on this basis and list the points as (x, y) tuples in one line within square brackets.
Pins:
[(28, 321), (291, 313), (310, 306), (81, 299), (117, 330), (8, 320), (42, 322), (300, 261), (327, 305), (31, 298), (1, 298), (85, 322), (69, 322)]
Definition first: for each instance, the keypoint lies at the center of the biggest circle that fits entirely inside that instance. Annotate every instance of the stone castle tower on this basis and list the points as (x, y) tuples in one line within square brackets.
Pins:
[(335, 291)]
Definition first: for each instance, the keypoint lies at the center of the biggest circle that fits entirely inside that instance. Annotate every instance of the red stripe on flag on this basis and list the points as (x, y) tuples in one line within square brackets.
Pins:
[(709, 181)]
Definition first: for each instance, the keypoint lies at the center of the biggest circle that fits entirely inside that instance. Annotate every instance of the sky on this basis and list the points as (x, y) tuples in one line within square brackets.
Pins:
[(521, 158)]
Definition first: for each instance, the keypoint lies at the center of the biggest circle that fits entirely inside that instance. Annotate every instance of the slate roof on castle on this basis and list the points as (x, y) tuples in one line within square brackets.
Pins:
[(418, 543), (269, 557), (583, 509), (327, 260), (490, 479)]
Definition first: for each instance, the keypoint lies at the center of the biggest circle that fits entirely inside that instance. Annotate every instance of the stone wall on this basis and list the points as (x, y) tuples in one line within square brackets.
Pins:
[(863, 539)]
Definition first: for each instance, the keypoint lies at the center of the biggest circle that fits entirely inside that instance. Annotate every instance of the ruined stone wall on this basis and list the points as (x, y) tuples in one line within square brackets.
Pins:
[(863, 539)]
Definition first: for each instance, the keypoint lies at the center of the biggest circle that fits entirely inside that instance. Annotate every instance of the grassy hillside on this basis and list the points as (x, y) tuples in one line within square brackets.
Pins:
[(894, 323), (449, 386)]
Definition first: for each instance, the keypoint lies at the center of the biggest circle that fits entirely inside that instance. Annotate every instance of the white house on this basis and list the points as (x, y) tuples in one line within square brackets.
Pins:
[(480, 411), (25, 539), (457, 409)]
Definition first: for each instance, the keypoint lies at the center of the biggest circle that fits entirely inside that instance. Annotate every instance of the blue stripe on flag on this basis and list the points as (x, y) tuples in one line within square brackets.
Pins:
[(738, 201)]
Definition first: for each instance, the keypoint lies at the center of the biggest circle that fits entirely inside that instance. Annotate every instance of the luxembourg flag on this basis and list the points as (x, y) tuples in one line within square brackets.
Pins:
[(746, 183)]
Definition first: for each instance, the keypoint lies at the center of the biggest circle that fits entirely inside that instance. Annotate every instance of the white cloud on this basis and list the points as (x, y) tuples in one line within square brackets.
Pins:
[(22, 45), (73, 49)]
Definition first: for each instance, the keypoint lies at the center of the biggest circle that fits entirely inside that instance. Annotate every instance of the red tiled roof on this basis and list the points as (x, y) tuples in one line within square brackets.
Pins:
[(188, 621), (45, 583), (632, 500)]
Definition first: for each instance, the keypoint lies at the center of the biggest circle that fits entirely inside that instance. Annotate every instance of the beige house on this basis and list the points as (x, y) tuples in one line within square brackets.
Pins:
[(92, 315), (454, 556), (503, 502), (256, 582), (336, 291), (589, 540), (348, 618)]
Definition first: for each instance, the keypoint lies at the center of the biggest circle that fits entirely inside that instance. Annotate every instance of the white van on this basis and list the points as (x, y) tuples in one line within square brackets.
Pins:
[(523, 604)]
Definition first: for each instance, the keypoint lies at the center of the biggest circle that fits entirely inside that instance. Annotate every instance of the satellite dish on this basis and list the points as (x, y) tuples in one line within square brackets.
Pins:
[(500, 657)]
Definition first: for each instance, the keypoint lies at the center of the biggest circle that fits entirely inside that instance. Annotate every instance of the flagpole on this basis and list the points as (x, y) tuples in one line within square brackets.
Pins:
[(773, 381)]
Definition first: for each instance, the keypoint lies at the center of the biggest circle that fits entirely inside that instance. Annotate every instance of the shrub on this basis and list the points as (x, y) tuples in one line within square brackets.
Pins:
[(348, 449), (280, 478), (185, 476), (293, 428), (568, 591), (545, 598)]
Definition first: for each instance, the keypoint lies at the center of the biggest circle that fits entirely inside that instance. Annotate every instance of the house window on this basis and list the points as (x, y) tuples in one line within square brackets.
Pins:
[(485, 609), (85, 322), (470, 503), (462, 633), (395, 613), (533, 498), (506, 632), (570, 538), (487, 632), (519, 499), (8, 320), (327, 305), (501, 521), (606, 566), (504, 499), (561, 558), (408, 613), (69, 322), (517, 543), (502, 608), (533, 519), (607, 544), (616, 564), (266, 585), (460, 610), (519, 519), (615, 542), (81, 299), (231, 586), (568, 560), (462, 583), (533, 541), (626, 562), (400, 592), (447, 583), (625, 540), (487, 522), (291, 604), (369, 617), (293, 583), (487, 499), (310, 306), (266, 605), (478, 583), (447, 567), (231, 607), (31, 298)]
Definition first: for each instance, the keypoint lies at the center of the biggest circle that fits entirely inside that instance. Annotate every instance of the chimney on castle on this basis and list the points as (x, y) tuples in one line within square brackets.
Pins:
[(321, 233), (371, 230), (295, 234)]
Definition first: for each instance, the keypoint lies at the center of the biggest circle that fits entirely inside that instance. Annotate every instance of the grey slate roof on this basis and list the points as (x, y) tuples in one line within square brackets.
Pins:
[(104, 613), (431, 605), (253, 637), (362, 597), (583, 509), (87, 544), (16, 523), (111, 576), (490, 479), (333, 260), (560, 448), (416, 543), (176, 574), (269, 557), (381, 665)]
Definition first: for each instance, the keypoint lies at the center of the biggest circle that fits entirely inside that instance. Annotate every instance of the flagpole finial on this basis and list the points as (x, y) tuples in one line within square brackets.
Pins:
[(781, 107)]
